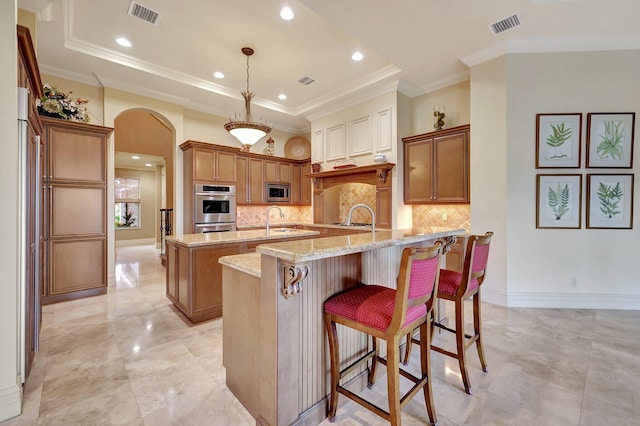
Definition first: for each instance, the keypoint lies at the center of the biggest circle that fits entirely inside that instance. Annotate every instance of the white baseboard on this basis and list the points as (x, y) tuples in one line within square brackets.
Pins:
[(10, 402), (574, 301)]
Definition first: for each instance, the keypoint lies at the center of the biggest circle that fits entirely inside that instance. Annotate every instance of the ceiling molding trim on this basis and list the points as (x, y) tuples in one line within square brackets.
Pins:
[(370, 93), (70, 75), (484, 55), (153, 94), (574, 44), (341, 93), (437, 85), (553, 45)]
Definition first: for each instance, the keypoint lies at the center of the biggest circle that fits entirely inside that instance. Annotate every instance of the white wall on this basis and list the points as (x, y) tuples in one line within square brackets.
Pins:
[(489, 171), (10, 397), (454, 98), (540, 263)]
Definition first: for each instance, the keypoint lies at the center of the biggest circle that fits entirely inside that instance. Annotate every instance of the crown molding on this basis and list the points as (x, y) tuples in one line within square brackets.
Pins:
[(371, 92), (413, 91), (551, 45)]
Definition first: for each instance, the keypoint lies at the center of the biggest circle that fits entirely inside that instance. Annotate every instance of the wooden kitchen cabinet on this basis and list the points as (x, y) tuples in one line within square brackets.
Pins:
[(277, 171), (249, 184), (75, 197), (436, 169), (213, 165), (305, 184)]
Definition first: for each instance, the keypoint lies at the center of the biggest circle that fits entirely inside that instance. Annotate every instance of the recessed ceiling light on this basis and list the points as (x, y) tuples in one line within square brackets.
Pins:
[(286, 13), (218, 74), (357, 56), (135, 157), (282, 96), (123, 42), (149, 165)]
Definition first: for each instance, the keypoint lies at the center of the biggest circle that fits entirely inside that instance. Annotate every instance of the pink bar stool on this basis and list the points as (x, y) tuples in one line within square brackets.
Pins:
[(389, 314)]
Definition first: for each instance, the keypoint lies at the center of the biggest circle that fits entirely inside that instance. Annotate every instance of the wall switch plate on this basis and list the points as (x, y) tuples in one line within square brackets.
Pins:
[(445, 217)]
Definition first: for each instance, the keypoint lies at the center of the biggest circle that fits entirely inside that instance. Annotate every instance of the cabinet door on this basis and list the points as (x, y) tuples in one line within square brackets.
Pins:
[(78, 265), (295, 184), (76, 156), (242, 193), (418, 181), (451, 168), (270, 171), (284, 172), (305, 184), (203, 165), (226, 166), (256, 185), (172, 273)]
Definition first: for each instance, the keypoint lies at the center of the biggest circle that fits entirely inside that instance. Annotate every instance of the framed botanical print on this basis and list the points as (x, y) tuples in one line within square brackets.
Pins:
[(610, 201), (558, 139), (559, 201), (610, 140)]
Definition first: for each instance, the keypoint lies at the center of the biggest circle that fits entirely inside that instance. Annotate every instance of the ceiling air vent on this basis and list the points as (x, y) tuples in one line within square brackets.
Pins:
[(505, 24), (306, 80), (141, 12)]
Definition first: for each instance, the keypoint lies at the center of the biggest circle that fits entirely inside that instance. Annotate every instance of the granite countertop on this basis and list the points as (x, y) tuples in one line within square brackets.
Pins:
[(309, 225), (212, 238), (320, 248), (248, 263)]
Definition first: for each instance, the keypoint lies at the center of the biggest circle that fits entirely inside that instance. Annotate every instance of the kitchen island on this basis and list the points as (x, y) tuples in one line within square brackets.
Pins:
[(194, 276), (274, 345)]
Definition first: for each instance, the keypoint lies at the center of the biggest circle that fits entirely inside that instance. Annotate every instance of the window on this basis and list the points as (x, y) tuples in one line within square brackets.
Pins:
[(127, 205)]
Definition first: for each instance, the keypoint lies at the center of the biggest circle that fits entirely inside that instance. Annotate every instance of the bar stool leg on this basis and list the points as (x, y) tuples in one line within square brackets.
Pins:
[(334, 352), (425, 362), (460, 344), (371, 379), (477, 328), (393, 380)]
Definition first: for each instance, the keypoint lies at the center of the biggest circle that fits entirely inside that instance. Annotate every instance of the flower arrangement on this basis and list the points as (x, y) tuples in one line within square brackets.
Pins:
[(58, 104)]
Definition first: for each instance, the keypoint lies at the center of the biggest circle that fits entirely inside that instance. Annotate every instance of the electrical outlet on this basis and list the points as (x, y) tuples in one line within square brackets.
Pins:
[(574, 284), (445, 217)]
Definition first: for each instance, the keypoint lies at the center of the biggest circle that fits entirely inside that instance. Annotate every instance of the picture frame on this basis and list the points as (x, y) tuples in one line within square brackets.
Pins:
[(558, 140), (610, 139), (610, 201), (559, 201)]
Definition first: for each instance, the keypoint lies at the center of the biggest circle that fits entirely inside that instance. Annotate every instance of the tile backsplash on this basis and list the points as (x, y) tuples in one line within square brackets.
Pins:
[(458, 215), (256, 215)]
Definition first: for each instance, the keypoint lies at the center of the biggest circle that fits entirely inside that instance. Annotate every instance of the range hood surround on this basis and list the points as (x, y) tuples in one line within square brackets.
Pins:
[(376, 174)]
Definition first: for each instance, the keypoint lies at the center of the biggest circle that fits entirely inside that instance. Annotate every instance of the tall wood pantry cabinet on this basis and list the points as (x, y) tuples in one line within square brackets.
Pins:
[(75, 198), (29, 78), (436, 167)]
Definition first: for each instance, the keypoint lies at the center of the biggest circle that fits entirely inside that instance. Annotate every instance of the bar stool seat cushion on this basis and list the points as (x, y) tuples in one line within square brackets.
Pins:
[(372, 305), (450, 281)]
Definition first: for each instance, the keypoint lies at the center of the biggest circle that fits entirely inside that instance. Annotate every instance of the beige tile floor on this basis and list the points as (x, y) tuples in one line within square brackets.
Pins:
[(126, 358)]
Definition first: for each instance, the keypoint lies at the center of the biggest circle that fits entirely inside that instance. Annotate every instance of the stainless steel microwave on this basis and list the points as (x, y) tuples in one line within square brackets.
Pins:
[(278, 192)]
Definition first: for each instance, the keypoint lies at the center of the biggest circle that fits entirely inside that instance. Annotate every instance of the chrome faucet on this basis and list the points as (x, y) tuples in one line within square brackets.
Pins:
[(373, 216), (269, 211)]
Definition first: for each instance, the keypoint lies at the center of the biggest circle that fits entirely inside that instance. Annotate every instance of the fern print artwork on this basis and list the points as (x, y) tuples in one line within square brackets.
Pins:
[(560, 134), (558, 200), (558, 140), (610, 202), (610, 197), (612, 140)]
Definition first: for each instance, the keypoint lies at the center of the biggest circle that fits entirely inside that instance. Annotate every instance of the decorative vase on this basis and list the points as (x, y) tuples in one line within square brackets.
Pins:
[(271, 150)]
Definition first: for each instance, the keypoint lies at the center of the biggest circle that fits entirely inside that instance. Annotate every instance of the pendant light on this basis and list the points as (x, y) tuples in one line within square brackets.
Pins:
[(246, 131)]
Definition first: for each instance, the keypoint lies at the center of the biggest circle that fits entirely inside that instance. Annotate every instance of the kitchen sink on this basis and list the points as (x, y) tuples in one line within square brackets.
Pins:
[(284, 230)]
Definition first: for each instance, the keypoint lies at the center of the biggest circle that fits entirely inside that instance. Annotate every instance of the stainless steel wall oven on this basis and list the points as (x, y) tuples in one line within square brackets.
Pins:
[(215, 204)]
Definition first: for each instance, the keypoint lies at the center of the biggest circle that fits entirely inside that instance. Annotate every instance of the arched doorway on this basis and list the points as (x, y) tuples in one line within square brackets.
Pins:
[(145, 137)]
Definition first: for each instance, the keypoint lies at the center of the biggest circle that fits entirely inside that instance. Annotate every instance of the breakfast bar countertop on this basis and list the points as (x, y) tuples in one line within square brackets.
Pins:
[(213, 238), (319, 248)]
